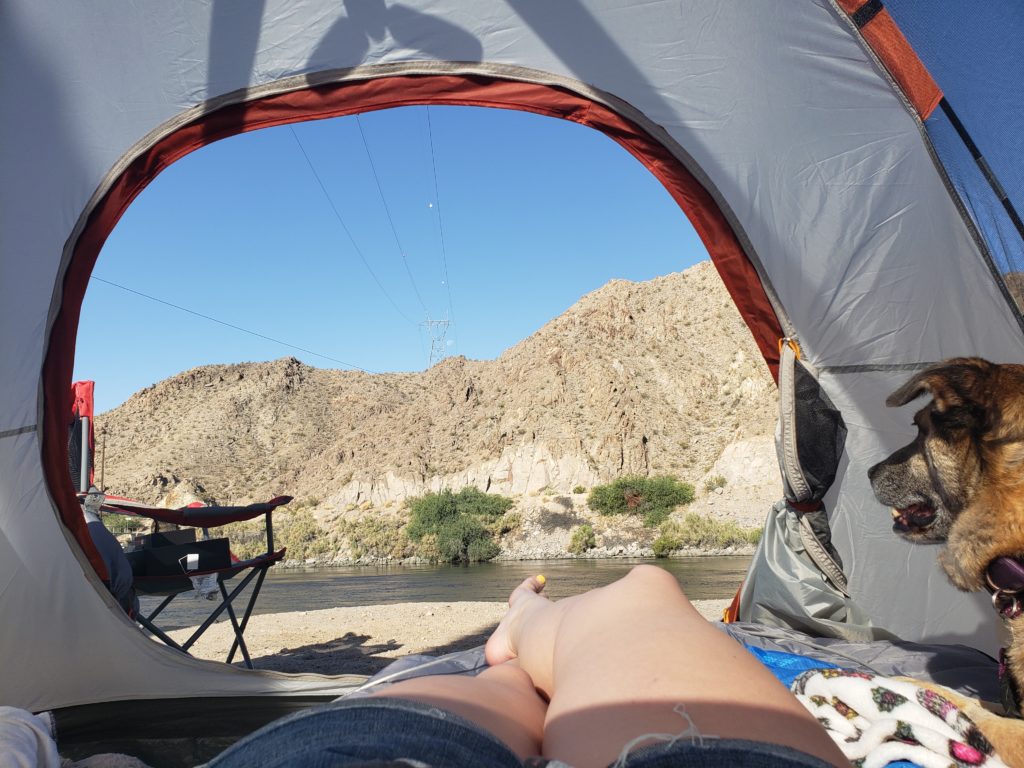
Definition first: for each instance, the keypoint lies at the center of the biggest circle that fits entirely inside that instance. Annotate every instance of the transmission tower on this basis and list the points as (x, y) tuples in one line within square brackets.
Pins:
[(438, 347)]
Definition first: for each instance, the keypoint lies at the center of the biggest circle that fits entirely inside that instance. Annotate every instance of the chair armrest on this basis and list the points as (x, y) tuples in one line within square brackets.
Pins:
[(197, 517)]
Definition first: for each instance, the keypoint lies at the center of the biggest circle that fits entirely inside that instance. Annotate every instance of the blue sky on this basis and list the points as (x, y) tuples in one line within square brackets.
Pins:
[(535, 212)]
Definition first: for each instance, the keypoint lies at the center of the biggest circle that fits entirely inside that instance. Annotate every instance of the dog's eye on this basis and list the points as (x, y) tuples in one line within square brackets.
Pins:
[(957, 418)]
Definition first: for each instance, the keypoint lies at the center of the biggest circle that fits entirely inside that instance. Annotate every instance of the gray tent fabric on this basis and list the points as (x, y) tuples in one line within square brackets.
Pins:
[(816, 189), (796, 578), (786, 587), (470, 662)]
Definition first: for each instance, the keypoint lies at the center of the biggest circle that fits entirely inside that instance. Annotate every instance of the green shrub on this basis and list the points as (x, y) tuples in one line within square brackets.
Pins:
[(427, 548), (377, 536), (296, 529), (579, 489), (463, 524), (505, 524), (482, 550), (652, 497), (465, 540), (430, 512), (473, 501), (666, 544), (713, 482), (248, 538), (702, 532), (301, 534), (583, 539)]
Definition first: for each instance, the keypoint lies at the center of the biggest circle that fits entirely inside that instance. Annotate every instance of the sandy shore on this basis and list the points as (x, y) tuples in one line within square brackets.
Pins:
[(362, 640)]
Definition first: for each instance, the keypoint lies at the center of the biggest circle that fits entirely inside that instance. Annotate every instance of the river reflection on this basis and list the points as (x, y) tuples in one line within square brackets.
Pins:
[(310, 589)]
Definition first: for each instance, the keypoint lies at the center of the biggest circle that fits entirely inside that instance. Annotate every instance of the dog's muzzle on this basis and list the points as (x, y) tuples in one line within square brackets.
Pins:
[(916, 518)]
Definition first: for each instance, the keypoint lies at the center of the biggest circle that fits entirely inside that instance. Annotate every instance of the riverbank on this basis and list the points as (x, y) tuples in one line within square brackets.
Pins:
[(365, 639), (631, 551), (547, 526)]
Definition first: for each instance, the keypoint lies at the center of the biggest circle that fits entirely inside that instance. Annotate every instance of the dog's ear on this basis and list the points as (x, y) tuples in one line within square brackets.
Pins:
[(953, 384)]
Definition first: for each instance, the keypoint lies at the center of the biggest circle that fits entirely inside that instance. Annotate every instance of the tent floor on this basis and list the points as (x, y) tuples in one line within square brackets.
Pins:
[(169, 733)]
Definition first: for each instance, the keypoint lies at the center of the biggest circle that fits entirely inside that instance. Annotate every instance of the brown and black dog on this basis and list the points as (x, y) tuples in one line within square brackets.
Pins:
[(961, 481)]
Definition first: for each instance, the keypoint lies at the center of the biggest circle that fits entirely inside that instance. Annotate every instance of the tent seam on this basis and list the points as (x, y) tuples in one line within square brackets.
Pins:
[(875, 368), (18, 431)]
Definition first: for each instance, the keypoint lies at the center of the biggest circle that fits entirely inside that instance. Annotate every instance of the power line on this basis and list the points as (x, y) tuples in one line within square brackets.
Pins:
[(387, 210), (229, 325), (341, 221), (440, 227)]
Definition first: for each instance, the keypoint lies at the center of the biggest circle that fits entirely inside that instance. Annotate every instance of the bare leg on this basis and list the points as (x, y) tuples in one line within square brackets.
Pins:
[(616, 662), (501, 700)]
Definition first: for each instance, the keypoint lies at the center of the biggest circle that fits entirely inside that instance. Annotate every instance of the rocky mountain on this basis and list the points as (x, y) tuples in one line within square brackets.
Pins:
[(659, 377)]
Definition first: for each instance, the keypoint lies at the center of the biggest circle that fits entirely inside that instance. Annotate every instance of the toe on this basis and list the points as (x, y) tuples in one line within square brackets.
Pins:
[(529, 585)]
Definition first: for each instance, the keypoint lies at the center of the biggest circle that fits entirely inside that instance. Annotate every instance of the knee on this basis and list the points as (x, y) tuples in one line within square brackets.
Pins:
[(652, 577), (509, 673)]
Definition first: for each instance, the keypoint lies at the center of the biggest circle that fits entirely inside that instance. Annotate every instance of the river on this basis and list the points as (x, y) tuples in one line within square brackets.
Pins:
[(310, 589)]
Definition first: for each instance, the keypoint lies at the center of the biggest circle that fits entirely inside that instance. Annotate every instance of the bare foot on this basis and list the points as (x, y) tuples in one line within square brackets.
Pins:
[(501, 645)]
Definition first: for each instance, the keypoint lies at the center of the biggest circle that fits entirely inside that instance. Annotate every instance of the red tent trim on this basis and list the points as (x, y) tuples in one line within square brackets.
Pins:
[(353, 97), (82, 408), (892, 47)]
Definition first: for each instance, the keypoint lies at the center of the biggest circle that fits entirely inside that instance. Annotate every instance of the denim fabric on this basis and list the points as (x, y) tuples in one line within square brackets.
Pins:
[(384, 732), (369, 732), (720, 753)]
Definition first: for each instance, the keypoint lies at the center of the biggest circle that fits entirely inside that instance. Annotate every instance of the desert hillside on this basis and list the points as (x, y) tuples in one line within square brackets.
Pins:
[(660, 377)]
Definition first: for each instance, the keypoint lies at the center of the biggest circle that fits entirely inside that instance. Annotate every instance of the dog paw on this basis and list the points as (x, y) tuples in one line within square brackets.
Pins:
[(968, 580)]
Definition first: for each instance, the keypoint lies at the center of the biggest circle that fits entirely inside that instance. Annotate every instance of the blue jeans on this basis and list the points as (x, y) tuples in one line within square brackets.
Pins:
[(380, 732)]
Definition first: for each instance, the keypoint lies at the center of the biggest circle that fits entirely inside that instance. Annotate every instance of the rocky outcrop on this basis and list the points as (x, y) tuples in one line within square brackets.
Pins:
[(646, 378)]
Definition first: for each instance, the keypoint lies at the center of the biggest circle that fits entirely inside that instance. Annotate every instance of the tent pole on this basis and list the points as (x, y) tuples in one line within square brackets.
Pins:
[(83, 479), (983, 166), (103, 457)]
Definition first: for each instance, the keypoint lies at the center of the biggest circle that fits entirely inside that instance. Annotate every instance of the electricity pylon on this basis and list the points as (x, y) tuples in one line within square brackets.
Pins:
[(438, 347)]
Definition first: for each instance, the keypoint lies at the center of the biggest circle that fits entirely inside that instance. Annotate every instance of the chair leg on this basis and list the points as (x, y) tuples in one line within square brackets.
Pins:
[(166, 601), (239, 640), (225, 602), (148, 624), (248, 612)]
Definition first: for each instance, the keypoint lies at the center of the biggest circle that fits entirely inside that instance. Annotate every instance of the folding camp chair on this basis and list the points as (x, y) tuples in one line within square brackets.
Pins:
[(166, 563)]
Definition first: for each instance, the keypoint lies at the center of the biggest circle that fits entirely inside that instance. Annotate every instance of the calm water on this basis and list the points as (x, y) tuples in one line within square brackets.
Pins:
[(315, 588)]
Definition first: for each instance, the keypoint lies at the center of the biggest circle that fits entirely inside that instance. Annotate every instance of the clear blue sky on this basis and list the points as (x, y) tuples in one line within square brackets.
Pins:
[(535, 212)]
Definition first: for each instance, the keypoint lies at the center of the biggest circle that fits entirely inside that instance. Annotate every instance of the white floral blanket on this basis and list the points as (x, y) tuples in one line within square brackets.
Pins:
[(879, 720)]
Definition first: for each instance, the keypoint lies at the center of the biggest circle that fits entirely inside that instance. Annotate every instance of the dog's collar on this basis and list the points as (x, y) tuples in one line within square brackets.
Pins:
[(1005, 580)]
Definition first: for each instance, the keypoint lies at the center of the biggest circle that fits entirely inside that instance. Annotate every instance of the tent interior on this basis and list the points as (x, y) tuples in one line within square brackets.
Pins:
[(853, 169)]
